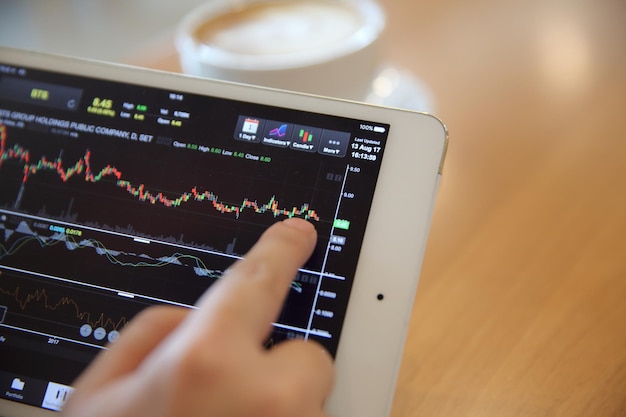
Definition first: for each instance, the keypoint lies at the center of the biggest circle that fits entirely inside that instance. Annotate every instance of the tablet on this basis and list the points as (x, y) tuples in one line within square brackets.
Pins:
[(123, 188)]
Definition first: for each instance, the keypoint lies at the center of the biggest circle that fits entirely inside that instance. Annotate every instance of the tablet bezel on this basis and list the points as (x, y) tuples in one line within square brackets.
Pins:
[(395, 237)]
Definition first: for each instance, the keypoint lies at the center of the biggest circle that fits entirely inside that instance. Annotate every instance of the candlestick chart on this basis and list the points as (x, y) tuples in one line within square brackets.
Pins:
[(72, 187), (139, 191)]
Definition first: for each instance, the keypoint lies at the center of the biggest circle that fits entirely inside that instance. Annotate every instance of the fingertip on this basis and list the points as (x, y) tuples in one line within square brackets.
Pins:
[(300, 224), (255, 287), (295, 233)]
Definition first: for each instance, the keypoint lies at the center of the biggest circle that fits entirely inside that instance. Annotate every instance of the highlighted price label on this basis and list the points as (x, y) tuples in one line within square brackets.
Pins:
[(341, 224)]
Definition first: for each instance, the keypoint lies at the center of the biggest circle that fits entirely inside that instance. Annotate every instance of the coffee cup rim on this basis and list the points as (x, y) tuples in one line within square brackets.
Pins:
[(187, 44)]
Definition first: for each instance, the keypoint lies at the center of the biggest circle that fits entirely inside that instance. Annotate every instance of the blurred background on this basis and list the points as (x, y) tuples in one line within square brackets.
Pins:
[(521, 306), (102, 29)]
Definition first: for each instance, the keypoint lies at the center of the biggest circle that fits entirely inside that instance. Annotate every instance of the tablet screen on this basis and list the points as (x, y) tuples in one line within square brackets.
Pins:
[(116, 197)]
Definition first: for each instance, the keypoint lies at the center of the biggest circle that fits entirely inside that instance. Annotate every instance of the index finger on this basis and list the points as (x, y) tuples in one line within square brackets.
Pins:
[(250, 295)]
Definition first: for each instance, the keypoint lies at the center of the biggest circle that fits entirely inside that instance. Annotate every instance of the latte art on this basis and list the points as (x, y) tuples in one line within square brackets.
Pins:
[(279, 28)]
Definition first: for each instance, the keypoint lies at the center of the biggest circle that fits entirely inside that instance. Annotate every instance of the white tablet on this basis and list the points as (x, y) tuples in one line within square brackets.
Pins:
[(122, 188)]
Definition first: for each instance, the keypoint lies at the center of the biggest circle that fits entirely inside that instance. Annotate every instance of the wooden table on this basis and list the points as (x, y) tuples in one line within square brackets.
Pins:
[(521, 308)]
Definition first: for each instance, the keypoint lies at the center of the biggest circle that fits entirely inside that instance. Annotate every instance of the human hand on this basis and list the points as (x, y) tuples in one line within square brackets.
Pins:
[(211, 361)]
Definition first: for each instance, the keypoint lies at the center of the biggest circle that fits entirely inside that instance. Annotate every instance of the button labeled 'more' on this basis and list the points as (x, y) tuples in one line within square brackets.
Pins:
[(334, 143)]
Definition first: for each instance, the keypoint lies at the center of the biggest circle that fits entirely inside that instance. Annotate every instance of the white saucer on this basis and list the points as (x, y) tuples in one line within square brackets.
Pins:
[(393, 87)]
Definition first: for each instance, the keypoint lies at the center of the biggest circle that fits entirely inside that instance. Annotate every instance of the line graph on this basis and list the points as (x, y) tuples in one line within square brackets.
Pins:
[(113, 256), (59, 309), (40, 297), (83, 168), (23, 235)]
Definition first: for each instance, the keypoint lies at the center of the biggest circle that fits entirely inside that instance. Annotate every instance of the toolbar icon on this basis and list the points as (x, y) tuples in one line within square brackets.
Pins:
[(305, 138), (56, 396), (17, 384), (248, 129), (334, 143), (250, 125), (277, 133)]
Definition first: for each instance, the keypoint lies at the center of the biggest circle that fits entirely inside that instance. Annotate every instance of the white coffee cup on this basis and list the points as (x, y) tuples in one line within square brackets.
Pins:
[(324, 47)]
